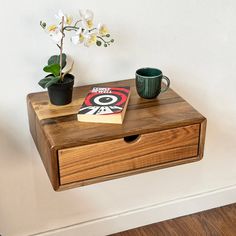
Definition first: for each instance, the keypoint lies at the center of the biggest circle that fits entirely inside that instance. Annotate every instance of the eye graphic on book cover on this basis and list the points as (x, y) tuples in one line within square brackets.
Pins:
[(104, 101)]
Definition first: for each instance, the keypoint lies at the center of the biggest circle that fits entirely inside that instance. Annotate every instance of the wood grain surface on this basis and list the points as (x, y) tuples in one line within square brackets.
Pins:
[(202, 137), (47, 152), (60, 124), (115, 156), (56, 130)]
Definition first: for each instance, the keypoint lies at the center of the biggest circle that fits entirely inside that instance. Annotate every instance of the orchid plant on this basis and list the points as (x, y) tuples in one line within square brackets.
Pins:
[(83, 32)]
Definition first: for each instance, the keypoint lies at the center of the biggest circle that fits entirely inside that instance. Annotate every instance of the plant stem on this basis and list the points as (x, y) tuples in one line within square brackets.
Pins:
[(107, 42), (74, 27), (77, 22), (61, 47), (71, 28), (92, 30)]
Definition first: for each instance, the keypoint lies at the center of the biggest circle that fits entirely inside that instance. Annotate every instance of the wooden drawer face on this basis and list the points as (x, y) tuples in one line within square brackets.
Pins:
[(117, 156)]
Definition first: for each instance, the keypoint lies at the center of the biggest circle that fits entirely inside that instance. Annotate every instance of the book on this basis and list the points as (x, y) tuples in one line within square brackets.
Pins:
[(105, 105)]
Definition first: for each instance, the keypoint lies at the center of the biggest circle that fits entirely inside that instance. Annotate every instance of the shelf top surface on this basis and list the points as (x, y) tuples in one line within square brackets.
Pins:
[(62, 129)]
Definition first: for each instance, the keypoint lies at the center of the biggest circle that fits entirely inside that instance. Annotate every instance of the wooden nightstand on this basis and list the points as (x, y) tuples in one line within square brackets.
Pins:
[(156, 133)]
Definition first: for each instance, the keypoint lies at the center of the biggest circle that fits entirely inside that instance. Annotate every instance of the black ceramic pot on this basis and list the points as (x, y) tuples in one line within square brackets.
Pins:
[(61, 93)]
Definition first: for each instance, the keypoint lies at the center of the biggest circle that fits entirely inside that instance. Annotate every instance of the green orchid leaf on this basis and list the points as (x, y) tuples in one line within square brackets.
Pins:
[(44, 81), (55, 59), (54, 80), (53, 68)]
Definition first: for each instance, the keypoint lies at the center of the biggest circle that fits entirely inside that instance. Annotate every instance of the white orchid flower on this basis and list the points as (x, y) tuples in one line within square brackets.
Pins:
[(90, 39), (87, 18), (102, 29), (67, 19), (54, 33), (78, 37), (85, 33), (56, 36)]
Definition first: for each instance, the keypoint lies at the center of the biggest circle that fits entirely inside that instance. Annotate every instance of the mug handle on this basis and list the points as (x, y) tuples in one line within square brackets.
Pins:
[(167, 85)]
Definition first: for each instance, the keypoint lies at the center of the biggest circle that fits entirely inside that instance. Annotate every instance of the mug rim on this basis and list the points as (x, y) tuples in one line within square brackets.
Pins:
[(152, 68)]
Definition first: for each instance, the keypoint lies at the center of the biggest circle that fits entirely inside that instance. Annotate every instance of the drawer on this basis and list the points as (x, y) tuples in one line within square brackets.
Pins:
[(129, 154)]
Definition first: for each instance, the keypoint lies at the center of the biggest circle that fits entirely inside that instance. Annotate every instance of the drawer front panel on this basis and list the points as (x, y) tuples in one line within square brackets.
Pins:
[(117, 156)]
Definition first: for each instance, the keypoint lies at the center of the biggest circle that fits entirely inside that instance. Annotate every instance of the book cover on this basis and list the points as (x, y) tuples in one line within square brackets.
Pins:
[(105, 105)]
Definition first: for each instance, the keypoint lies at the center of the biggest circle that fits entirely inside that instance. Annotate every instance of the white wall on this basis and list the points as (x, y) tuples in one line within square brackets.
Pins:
[(193, 42)]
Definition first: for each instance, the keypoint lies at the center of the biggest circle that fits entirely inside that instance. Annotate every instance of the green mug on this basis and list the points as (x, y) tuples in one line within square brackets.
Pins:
[(148, 82)]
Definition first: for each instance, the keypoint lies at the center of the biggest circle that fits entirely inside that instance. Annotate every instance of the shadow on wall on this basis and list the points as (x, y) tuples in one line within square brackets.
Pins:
[(25, 186), (11, 143)]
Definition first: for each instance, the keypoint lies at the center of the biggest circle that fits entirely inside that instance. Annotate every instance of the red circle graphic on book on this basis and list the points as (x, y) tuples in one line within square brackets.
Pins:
[(104, 100)]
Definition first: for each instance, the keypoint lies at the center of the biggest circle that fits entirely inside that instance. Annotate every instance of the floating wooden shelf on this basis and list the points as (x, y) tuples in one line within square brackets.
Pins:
[(156, 133)]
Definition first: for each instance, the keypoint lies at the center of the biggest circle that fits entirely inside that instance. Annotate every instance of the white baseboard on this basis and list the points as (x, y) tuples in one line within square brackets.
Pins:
[(149, 214)]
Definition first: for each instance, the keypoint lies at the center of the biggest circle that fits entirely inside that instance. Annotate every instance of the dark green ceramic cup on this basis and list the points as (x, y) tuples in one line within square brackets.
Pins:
[(148, 82)]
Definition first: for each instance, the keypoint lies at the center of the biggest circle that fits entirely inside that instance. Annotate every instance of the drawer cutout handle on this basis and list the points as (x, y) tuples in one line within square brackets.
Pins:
[(132, 138)]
